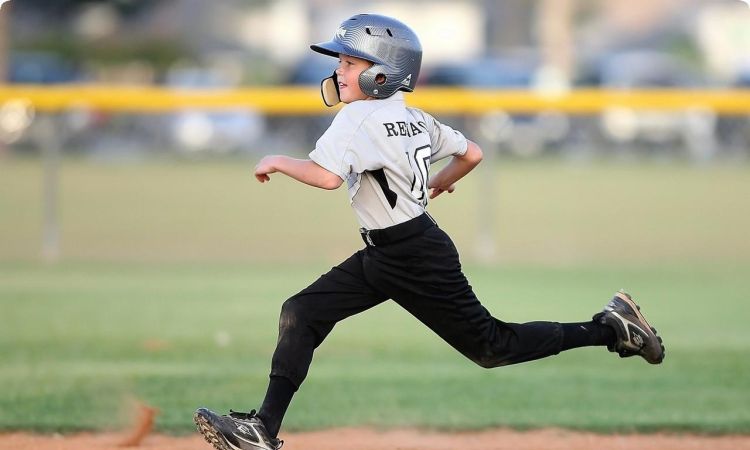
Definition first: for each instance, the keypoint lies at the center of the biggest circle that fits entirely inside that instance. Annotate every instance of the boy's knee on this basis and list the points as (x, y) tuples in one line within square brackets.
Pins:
[(486, 363), (490, 361), (292, 313)]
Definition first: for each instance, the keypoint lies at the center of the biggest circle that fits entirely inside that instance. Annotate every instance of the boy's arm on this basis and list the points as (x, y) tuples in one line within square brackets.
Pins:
[(459, 166), (304, 170)]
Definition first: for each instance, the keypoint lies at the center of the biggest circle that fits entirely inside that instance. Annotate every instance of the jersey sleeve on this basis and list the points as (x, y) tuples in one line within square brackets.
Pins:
[(340, 149), (330, 150), (445, 140)]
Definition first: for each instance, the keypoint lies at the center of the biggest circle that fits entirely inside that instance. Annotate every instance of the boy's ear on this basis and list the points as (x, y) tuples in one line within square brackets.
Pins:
[(329, 89)]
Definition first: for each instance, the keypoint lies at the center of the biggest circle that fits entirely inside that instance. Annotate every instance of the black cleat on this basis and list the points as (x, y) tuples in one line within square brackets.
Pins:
[(236, 431), (634, 335)]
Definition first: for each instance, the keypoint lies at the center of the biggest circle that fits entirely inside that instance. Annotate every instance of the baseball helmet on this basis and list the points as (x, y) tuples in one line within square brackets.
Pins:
[(391, 46)]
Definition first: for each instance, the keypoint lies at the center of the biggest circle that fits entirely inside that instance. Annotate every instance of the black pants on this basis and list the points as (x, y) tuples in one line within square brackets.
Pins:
[(423, 275)]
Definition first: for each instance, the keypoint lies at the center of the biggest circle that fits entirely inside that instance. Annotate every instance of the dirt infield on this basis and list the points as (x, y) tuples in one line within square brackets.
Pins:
[(368, 439)]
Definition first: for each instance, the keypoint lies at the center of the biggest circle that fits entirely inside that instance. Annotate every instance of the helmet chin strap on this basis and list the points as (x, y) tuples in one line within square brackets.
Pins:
[(329, 90)]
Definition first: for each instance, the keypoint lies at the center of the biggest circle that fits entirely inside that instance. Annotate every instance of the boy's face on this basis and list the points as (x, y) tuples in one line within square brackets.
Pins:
[(348, 77)]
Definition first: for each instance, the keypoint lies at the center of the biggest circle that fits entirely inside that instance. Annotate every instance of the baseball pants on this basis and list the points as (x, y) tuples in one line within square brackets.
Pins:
[(422, 274)]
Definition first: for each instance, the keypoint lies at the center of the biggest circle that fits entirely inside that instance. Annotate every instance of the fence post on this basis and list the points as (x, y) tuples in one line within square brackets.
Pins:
[(493, 128), (50, 146)]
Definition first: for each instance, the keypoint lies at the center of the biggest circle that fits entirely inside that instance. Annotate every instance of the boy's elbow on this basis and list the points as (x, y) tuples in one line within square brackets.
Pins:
[(323, 178), (474, 154), (331, 182)]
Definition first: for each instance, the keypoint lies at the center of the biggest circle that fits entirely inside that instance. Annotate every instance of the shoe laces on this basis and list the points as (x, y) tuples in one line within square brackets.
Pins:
[(242, 415)]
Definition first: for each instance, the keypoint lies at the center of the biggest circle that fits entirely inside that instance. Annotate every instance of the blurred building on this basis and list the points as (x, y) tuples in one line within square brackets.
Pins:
[(256, 42), (547, 45)]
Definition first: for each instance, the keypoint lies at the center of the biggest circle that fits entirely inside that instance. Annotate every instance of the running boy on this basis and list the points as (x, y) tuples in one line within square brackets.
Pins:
[(383, 149)]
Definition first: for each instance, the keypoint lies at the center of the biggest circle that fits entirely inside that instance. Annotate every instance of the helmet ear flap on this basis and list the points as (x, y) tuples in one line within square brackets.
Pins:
[(329, 90)]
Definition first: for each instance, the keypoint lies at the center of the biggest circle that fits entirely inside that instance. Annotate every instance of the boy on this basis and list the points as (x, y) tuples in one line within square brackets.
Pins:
[(383, 150)]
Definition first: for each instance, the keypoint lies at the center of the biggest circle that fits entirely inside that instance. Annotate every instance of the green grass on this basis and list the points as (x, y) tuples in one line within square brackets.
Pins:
[(79, 339), (545, 213), (163, 261)]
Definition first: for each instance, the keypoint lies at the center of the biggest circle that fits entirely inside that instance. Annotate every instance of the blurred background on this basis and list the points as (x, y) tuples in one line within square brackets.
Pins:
[(513, 44), (138, 255), (542, 47)]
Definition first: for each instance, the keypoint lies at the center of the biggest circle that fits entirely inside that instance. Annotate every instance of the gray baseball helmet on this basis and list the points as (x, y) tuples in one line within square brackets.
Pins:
[(391, 46)]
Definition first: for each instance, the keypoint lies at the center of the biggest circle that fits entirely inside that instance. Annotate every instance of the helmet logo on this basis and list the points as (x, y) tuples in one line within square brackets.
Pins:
[(341, 32), (407, 80)]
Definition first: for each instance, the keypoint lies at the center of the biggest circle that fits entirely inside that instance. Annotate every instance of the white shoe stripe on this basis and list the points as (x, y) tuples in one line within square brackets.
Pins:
[(625, 323)]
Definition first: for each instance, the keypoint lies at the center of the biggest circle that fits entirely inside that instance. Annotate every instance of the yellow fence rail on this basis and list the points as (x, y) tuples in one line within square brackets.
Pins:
[(306, 100)]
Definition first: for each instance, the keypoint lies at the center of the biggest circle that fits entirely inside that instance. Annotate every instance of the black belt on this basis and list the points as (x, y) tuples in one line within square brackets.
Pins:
[(385, 236)]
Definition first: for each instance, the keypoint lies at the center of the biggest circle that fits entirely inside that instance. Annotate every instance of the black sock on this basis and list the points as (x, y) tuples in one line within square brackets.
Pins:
[(278, 397), (585, 334)]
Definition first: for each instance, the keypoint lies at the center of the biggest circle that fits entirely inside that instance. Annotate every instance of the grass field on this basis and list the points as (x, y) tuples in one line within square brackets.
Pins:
[(173, 274)]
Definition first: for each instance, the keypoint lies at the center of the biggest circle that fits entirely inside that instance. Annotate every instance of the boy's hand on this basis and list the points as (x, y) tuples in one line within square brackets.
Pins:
[(264, 167), (460, 165), (437, 191)]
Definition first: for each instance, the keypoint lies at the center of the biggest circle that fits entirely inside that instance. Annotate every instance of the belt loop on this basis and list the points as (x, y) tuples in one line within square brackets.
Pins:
[(366, 235), (368, 238)]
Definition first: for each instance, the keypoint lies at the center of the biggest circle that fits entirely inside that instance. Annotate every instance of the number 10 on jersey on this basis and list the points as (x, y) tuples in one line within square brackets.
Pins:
[(420, 165)]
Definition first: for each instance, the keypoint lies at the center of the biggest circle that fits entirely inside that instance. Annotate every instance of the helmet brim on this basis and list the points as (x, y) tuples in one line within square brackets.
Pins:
[(333, 48), (328, 48)]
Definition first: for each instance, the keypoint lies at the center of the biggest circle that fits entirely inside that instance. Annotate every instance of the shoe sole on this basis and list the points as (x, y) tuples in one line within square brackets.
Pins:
[(210, 434), (637, 310)]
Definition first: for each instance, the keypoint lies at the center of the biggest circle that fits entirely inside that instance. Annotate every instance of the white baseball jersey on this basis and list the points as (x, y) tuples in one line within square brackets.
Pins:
[(383, 150)]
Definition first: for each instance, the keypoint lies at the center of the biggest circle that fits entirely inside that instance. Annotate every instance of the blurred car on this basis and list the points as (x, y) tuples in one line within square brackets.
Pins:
[(41, 68), (733, 131), (301, 132), (503, 73), (310, 70), (18, 116), (198, 130), (693, 129), (522, 134)]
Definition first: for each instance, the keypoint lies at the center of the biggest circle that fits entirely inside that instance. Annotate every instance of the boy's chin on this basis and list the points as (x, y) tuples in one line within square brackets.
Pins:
[(352, 98)]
